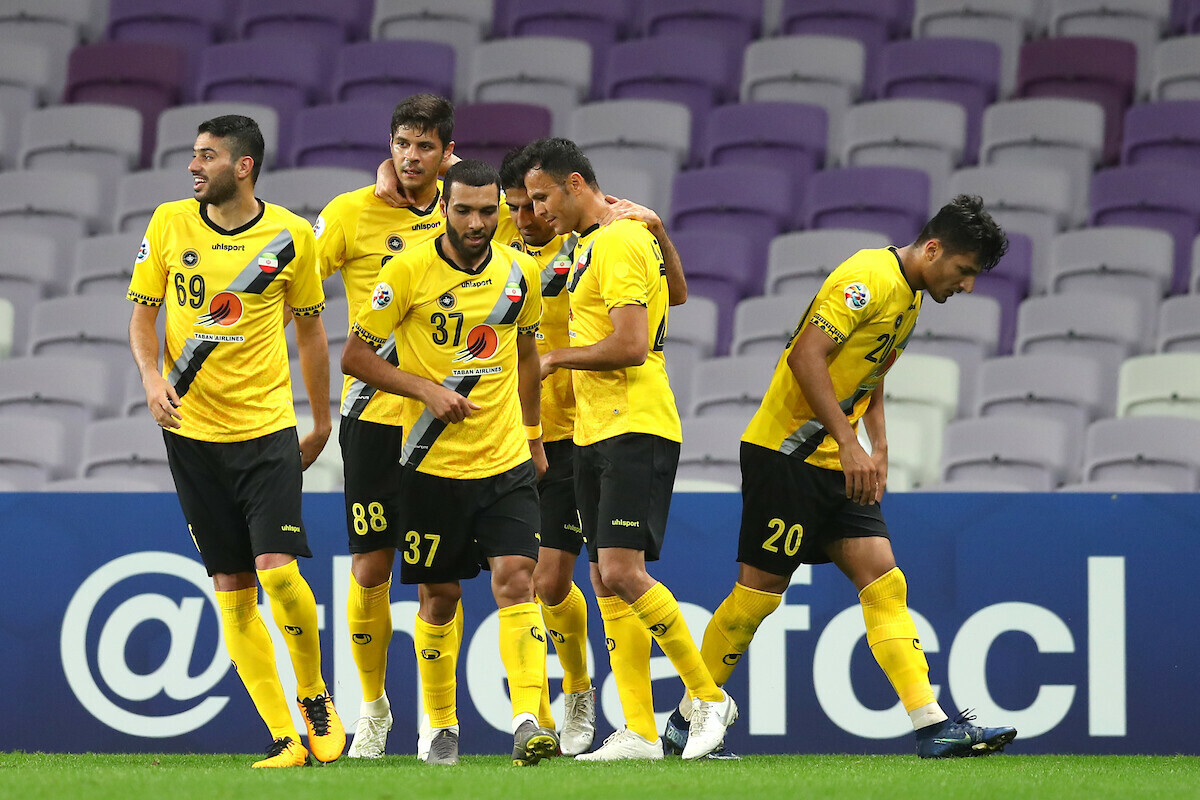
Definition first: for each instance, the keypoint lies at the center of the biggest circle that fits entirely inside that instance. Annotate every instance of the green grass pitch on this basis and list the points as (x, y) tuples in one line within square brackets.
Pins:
[(30, 776)]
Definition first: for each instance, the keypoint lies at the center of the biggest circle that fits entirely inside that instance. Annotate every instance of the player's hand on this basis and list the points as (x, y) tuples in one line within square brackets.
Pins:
[(548, 365), (447, 162), (311, 446), (880, 459), (162, 401), (627, 209), (538, 451), (387, 186), (449, 407), (862, 483)]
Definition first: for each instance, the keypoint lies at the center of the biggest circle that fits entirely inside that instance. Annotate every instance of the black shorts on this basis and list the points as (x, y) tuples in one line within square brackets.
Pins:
[(791, 511), (371, 460), (623, 486), (556, 489), (240, 499), (453, 526)]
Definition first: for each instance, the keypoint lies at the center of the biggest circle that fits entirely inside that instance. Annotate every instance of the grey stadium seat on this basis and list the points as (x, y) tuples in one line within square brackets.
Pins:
[(965, 328), (104, 264), (731, 385), (799, 262), (763, 325), (1179, 324), (1177, 69), (1142, 22), (1008, 23), (1163, 451), (86, 326), (62, 205), (306, 190), (73, 390), (25, 77), (128, 449), (140, 193), (543, 70), (710, 450), (1160, 385), (103, 484), (177, 131), (29, 272), (459, 23), (32, 451), (1025, 451), (102, 140)]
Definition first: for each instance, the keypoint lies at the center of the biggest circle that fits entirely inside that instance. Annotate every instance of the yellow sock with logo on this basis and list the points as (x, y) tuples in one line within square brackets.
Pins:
[(628, 644), (732, 627), (523, 651), (369, 613), (295, 611), (253, 655), (567, 625), (893, 639), (545, 715), (659, 612), (437, 656)]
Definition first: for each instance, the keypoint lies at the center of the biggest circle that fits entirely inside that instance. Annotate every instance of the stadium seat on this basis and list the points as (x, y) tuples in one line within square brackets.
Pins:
[(89, 137), (140, 193), (630, 183), (1141, 22), (1115, 486), (718, 263), (347, 135), (462, 24), (103, 265), (71, 389), (962, 71), (1167, 132), (383, 72), (827, 71), (1025, 451), (177, 131), (965, 328), (335, 318), (1160, 385), (32, 451), (599, 24), (928, 135), (185, 25), (325, 23), (891, 200), (1047, 132), (709, 451), (731, 386), (692, 326), (7, 332), (487, 131), (56, 203), (1008, 284), (925, 381), (1152, 196), (24, 85), (103, 485), (56, 25), (534, 70), (733, 23), (86, 326), (1179, 325), (764, 325), (1005, 23), (1161, 451), (914, 446), (799, 262), (130, 449), (1177, 69), (24, 282), (306, 191), (681, 366), (871, 22), (974, 486), (1086, 68)]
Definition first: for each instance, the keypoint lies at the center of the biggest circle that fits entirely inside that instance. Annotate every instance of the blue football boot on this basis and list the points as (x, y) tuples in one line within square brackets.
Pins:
[(959, 739)]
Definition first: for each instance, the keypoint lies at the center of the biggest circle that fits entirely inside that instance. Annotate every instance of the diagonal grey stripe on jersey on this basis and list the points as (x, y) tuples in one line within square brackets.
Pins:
[(421, 428), (359, 393), (252, 271), (813, 428), (503, 304), (566, 251), (185, 358)]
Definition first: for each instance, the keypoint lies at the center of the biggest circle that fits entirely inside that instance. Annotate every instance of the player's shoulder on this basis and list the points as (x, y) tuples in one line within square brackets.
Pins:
[(174, 209), (297, 225), (874, 264), (509, 254), (352, 202), (631, 230)]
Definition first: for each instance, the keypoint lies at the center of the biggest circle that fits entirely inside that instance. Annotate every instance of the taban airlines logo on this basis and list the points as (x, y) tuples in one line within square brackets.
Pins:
[(114, 677)]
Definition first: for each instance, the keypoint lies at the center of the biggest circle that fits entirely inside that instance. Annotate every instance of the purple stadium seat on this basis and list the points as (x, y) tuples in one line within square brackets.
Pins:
[(389, 71), (963, 71), (685, 70), (325, 23), (872, 22), (1008, 284), (1163, 133), (1086, 68), (186, 25), (1191, 16), (789, 136), (891, 200), (720, 265), (487, 131), (751, 200), (342, 135), (734, 23), (143, 76), (1157, 196), (1179, 14), (599, 24)]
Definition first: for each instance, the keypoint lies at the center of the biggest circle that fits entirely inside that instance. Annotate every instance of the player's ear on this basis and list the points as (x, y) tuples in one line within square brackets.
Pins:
[(245, 167)]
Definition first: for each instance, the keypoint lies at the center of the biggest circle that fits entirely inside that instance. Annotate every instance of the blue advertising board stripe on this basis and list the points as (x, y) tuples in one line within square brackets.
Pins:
[(1069, 616)]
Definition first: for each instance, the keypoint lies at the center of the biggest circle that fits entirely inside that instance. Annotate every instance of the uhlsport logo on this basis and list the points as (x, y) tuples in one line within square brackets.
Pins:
[(429, 654), (536, 633), (106, 685), (482, 343), (225, 309), (857, 296)]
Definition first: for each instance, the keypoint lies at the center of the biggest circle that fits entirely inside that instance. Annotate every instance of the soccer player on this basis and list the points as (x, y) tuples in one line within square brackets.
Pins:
[(627, 438), (226, 265), (357, 233), (464, 310), (811, 493)]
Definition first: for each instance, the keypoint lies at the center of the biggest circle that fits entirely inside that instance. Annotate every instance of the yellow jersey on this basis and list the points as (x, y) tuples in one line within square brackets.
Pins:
[(224, 293), (458, 329), (618, 265), (867, 307)]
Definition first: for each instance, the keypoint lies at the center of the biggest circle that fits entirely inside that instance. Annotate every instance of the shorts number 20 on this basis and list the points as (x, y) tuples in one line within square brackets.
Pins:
[(791, 542)]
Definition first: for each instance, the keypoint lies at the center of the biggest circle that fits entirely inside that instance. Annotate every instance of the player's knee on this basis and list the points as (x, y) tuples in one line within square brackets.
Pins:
[(551, 586), (438, 602), (372, 569), (512, 580)]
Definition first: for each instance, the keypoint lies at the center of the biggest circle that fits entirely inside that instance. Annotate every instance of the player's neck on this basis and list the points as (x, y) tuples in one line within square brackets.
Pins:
[(424, 197), (235, 212), (592, 210), (911, 267), (451, 252)]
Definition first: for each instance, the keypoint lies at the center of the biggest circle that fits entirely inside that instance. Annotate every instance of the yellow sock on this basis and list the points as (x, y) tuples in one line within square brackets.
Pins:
[(457, 634), (545, 715), (253, 655), (523, 651), (567, 625), (892, 636), (659, 612), (732, 627), (295, 611), (628, 644), (437, 655), (369, 612)]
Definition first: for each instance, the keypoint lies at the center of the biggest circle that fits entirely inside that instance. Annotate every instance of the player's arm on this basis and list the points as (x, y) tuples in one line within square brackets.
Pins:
[(161, 397), (809, 363), (627, 209), (873, 420), (360, 360), (529, 387), (627, 346), (314, 366)]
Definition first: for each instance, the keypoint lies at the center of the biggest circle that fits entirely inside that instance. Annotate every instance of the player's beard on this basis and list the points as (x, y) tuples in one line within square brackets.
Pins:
[(220, 188), (468, 252)]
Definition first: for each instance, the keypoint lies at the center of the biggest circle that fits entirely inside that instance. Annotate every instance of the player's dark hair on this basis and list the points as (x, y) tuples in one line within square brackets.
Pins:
[(241, 134), (962, 226), (470, 172), (558, 158), (424, 113), (512, 169)]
